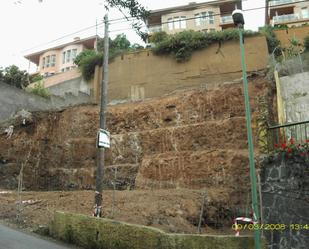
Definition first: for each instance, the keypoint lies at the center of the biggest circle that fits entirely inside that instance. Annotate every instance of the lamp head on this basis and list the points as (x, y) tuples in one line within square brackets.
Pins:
[(238, 17)]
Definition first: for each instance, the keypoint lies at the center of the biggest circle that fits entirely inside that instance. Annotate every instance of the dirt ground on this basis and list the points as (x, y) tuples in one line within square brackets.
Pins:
[(175, 211)]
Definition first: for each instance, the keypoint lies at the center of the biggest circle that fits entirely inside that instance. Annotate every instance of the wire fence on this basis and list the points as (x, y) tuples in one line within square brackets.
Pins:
[(290, 65)]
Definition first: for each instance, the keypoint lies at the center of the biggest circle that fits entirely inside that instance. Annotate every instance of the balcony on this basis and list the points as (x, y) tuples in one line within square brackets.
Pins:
[(285, 18), (279, 2), (154, 29), (226, 19)]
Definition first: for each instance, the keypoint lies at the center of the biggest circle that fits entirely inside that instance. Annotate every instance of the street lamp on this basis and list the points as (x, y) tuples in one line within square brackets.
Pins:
[(239, 21)]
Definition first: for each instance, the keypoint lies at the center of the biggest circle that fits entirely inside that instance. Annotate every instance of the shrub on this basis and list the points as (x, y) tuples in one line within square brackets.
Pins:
[(272, 41), (181, 45), (87, 64), (306, 43), (36, 78), (39, 89)]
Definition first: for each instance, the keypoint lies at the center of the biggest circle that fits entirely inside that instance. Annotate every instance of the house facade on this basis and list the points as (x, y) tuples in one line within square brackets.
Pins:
[(61, 58), (288, 12), (206, 16)]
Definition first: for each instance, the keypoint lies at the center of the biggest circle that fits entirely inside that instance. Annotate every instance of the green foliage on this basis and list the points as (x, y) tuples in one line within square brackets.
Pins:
[(158, 37), (35, 78), (135, 10), (181, 45), (86, 53), (294, 47), (272, 41), (89, 59), (13, 76), (88, 63), (306, 43), (39, 89)]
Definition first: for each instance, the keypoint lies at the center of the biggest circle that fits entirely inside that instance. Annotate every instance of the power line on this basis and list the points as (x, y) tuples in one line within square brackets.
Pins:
[(225, 13), (65, 36), (128, 19)]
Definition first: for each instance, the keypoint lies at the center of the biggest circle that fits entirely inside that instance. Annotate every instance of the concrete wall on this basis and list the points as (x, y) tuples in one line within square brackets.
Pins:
[(285, 193), (73, 86), (285, 35), (70, 82), (13, 100), (295, 97), (90, 232), (140, 75)]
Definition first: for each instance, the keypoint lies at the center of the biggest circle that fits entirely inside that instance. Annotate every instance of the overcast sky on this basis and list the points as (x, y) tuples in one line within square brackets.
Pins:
[(26, 24)]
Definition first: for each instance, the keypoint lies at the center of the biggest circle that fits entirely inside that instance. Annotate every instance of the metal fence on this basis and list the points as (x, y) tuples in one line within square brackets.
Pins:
[(289, 65), (280, 134)]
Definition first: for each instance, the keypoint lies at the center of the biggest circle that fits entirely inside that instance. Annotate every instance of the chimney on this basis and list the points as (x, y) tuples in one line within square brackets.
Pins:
[(76, 38)]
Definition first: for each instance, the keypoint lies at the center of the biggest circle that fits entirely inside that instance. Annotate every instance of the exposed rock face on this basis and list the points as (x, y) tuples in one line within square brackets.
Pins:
[(191, 139)]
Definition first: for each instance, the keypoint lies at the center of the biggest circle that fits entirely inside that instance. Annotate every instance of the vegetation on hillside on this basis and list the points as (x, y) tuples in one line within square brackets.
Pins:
[(181, 45), (306, 43), (39, 89)]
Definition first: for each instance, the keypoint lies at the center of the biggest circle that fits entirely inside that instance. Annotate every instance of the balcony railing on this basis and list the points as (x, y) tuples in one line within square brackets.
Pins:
[(279, 2), (154, 29), (285, 18), (226, 19)]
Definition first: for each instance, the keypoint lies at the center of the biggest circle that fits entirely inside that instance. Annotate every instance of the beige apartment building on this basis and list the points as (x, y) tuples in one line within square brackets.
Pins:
[(288, 12), (60, 59), (206, 16)]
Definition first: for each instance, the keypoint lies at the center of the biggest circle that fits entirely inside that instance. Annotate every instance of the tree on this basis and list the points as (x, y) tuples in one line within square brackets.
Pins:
[(136, 10), (120, 43), (13, 76)]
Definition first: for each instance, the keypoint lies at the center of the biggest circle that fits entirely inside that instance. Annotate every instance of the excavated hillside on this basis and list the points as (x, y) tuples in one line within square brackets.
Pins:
[(187, 140)]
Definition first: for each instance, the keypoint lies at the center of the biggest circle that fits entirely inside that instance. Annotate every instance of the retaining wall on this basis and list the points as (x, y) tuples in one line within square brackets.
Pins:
[(90, 232), (13, 99)]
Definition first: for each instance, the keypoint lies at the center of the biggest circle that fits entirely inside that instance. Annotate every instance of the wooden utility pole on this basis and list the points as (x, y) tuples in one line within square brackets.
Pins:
[(266, 12), (103, 111)]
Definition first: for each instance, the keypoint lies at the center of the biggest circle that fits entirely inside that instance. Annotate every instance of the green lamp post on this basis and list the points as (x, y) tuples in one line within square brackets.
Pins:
[(238, 19)]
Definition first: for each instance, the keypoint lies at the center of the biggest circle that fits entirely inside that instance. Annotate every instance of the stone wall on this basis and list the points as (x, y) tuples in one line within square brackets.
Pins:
[(91, 232), (285, 193)]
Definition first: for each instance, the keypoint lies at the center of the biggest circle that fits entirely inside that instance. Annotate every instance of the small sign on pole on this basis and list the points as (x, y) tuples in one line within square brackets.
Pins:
[(103, 140)]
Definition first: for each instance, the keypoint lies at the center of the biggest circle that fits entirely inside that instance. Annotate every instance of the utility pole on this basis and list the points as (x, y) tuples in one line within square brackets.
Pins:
[(266, 12), (103, 111)]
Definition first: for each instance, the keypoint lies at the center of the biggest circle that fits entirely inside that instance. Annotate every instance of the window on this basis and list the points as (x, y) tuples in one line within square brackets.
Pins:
[(43, 63), (197, 20), (63, 57), (74, 53), (183, 22), (53, 60), (211, 18), (47, 61), (68, 57), (204, 18), (176, 23), (305, 12), (170, 23), (212, 30)]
